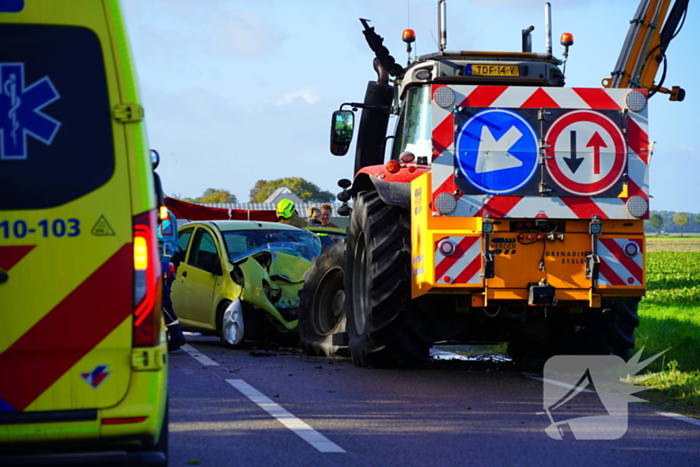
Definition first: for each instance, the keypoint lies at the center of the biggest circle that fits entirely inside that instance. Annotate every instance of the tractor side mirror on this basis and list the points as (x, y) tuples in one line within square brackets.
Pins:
[(342, 128)]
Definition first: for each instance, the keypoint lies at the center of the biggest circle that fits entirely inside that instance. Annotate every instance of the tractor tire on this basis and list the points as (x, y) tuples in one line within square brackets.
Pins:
[(604, 331), (322, 309), (385, 327), (608, 331)]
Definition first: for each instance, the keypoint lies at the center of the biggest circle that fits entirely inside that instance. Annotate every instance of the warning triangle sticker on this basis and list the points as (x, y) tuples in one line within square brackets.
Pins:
[(102, 227)]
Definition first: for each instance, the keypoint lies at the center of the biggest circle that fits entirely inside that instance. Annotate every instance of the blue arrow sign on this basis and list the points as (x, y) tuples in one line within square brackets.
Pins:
[(20, 111), (497, 151)]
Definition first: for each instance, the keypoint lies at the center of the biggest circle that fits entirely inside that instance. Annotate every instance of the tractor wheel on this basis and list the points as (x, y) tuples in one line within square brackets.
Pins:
[(385, 327), (608, 330), (322, 310)]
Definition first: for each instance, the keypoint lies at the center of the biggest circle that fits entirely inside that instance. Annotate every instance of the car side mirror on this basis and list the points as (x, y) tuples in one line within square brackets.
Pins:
[(213, 266), (342, 128)]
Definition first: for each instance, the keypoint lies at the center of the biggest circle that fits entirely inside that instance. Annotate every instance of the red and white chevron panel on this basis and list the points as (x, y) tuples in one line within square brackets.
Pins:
[(463, 266), (616, 267), (507, 97)]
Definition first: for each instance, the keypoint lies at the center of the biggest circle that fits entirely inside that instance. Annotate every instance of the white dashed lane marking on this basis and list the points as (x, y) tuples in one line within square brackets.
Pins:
[(197, 355), (298, 426)]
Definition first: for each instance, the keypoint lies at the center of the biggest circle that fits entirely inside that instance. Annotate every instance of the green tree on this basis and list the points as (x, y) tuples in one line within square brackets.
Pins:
[(212, 195), (656, 221), (180, 197), (697, 219), (681, 220), (305, 190)]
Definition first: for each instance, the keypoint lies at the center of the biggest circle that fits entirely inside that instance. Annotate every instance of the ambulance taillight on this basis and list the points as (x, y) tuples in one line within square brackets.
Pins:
[(147, 283)]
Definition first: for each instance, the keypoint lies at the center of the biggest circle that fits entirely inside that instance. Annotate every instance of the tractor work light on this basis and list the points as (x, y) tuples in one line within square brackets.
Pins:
[(487, 226), (445, 203), (637, 206), (444, 97), (636, 101)]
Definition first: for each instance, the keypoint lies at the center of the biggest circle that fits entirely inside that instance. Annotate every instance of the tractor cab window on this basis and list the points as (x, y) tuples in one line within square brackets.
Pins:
[(414, 128)]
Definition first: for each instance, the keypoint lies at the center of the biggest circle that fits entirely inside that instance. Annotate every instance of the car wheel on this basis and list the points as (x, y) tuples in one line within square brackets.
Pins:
[(322, 309), (231, 325)]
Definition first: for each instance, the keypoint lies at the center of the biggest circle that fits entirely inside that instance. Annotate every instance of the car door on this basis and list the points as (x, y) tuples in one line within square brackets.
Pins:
[(195, 284), (178, 293)]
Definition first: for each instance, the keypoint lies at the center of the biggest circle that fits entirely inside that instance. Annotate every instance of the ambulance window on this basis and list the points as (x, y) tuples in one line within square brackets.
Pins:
[(203, 247), (183, 241), (56, 141)]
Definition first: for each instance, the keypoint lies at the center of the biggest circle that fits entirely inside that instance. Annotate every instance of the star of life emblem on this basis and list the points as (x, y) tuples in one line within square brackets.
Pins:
[(20, 111)]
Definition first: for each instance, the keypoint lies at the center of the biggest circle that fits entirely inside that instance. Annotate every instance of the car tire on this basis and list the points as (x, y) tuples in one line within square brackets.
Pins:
[(322, 309), (230, 324), (386, 328)]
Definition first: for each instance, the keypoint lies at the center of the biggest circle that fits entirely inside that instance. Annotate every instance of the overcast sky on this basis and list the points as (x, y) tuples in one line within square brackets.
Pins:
[(241, 90)]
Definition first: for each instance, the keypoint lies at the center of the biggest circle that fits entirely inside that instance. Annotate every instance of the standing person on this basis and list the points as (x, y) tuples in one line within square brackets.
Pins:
[(287, 214), (169, 259), (314, 215), (326, 211)]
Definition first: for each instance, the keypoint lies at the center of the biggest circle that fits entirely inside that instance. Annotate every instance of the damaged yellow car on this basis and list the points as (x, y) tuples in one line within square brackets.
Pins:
[(240, 280)]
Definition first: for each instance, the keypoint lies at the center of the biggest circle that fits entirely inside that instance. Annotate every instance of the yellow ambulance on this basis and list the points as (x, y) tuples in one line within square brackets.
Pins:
[(83, 356)]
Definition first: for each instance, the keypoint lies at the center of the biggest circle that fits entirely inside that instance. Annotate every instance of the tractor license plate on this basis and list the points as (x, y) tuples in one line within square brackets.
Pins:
[(492, 70)]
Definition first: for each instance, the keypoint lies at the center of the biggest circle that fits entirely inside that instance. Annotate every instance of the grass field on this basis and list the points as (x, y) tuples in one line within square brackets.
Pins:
[(670, 319)]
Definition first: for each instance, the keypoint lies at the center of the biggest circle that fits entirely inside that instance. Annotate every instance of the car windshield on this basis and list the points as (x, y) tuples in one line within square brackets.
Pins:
[(241, 243)]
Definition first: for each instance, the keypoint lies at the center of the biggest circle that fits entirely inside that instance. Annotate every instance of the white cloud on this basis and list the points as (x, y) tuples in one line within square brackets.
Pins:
[(307, 93)]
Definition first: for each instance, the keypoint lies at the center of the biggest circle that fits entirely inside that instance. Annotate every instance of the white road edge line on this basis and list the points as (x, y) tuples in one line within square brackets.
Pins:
[(692, 421), (197, 355), (682, 418), (298, 426)]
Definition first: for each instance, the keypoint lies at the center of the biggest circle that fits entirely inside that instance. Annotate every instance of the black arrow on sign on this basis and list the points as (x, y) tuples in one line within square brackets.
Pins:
[(573, 162)]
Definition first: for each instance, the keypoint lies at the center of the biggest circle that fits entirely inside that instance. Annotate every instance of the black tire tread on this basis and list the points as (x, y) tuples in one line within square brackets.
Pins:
[(309, 340), (398, 333)]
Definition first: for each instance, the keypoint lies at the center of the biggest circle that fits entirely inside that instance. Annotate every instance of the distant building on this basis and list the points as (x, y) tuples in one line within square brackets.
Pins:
[(280, 194)]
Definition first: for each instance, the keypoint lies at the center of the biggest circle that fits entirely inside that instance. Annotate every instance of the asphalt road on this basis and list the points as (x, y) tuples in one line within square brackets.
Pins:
[(280, 407)]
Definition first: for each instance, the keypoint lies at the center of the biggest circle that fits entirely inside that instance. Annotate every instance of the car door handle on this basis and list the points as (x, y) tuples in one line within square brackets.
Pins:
[(184, 273)]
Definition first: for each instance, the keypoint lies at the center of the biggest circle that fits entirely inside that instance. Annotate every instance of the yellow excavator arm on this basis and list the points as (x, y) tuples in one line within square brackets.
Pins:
[(644, 49)]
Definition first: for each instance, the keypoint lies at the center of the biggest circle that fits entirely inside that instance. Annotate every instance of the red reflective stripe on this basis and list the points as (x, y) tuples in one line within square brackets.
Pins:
[(607, 272), (68, 332), (469, 271), (443, 135), (627, 262), (584, 208), (498, 206), (449, 261), (597, 98), (11, 255), (638, 140), (483, 96), (635, 190), (539, 99)]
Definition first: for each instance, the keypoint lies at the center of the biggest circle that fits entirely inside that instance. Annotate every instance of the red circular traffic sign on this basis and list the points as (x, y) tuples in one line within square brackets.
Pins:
[(586, 152)]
